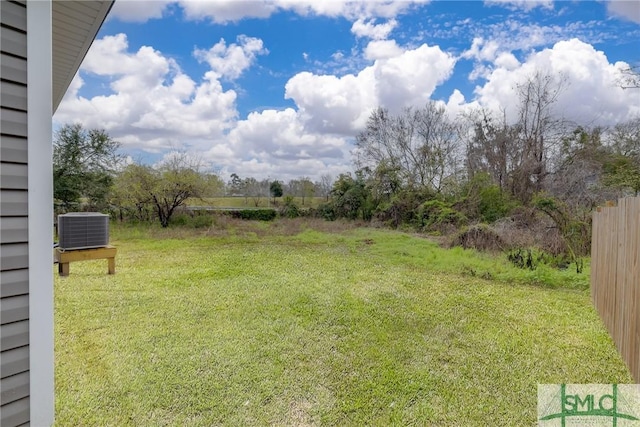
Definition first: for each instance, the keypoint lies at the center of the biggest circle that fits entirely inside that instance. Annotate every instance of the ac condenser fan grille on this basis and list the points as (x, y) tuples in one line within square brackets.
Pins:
[(83, 230)]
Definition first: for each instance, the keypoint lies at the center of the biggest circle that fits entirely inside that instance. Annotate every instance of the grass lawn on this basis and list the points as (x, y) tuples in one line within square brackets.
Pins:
[(282, 324)]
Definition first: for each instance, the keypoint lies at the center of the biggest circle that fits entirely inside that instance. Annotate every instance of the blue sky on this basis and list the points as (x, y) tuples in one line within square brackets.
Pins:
[(280, 88)]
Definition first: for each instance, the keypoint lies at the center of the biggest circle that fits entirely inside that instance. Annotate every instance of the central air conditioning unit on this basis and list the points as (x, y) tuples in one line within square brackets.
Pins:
[(83, 230)]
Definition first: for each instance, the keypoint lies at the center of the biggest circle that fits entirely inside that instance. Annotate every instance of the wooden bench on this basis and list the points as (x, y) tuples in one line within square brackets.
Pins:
[(63, 258)]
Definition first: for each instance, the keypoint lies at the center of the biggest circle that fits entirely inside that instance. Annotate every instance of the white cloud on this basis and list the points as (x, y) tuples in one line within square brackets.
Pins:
[(333, 104), (507, 61), (382, 49), (343, 104), (350, 9), (224, 11), (230, 61), (590, 94), (138, 11), (482, 50), (522, 4), (154, 107), (625, 9), (485, 52), (277, 143), (371, 30), (153, 104)]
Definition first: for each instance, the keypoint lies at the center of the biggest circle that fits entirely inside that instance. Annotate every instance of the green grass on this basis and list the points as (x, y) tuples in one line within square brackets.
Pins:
[(285, 325)]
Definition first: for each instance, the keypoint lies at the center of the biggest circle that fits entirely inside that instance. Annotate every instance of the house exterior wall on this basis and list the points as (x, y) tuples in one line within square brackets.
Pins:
[(26, 280), (14, 214)]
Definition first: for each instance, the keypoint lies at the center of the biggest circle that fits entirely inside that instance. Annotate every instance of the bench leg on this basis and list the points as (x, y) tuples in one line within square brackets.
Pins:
[(112, 265), (63, 268)]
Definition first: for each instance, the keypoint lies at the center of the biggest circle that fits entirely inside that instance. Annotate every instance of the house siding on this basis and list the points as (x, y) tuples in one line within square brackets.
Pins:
[(14, 250)]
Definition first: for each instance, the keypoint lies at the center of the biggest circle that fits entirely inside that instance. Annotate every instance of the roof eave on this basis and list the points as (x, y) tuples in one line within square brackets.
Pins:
[(63, 73)]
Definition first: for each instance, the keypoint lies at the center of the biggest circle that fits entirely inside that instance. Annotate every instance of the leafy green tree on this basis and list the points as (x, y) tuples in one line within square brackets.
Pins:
[(303, 188), (275, 188), (165, 188), (622, 170), (236, 185), (84, 164), (351, 197), (307, 188)]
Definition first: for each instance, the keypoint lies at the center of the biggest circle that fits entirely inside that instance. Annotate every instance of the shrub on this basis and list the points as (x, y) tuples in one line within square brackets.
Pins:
[(480, 237), (202, 221), (254, 214), (307, 212), (193, 220), (530, 258), (575, 232), (483, 200), (494, 204), (440, 216), (179, 220), (326, 212), (289, 208)]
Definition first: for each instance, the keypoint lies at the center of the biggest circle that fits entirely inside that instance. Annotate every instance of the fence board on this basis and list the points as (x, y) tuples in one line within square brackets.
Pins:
[(615, 276)]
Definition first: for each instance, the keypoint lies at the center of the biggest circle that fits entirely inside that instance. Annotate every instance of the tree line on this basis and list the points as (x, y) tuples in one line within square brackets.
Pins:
[(90, 174), (422, 169), (419, 168)]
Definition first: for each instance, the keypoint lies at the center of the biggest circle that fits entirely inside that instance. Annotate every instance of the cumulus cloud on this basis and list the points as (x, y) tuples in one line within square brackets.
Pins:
[(590, 94), (154, 107), (152, 104), (370, 29), (482, 50), (625, 9), (382, 49), (350, 9), (342, 104), (272, 137), (224, 11), (139, 11), (230, 61)]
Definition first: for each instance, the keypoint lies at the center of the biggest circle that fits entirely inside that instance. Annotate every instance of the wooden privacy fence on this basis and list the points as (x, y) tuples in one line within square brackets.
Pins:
[(615, 276)]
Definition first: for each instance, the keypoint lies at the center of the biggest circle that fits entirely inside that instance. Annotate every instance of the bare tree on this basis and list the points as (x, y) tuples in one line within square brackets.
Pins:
[(538, 130), (326, 185), (419, 143), (577, 177), (254, 189)]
